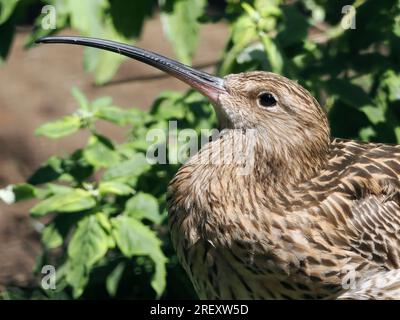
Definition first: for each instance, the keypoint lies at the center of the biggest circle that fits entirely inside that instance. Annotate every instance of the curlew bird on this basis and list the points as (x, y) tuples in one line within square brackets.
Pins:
[(313, 217)]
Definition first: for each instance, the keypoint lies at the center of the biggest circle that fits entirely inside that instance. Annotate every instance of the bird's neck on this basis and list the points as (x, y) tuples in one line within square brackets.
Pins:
[(246, 156), (232, 179)]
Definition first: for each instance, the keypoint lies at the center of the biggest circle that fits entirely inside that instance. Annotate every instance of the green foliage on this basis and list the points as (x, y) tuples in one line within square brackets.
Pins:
[(354, 73), (105, 203), (110, 19), (106, 212)]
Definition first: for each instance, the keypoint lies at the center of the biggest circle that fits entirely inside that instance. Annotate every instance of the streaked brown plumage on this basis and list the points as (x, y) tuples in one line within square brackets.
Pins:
[(312, 211), (311, 215)]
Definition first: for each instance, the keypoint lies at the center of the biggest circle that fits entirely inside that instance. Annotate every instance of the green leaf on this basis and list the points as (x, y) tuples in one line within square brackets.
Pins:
[(392, 82), (88, 245), (49, 171), (143, 205), (113, 279), (367, 133), (181, 25), (51, 237), (243, 33), (374, 114), (100, 152), (295, 26), (128, 16), (350, 93), (102, 102), (7, 30), (77, 277), (91, 19), (102, 64), (18, 192), (59, 189), (129, 170), (60, 128), (73, 201), (102, 218), (86, 16), (80, 98), (169, 106), (115, 187), (274, 55), (134, 238), (6, 9), (113, 114)]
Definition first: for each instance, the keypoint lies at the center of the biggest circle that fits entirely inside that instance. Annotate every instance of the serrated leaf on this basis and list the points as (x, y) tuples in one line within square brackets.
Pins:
[(100, 152), (129, 170), (181, 26), (73, 201), (60, 128), (88, 243), (115, 187), (134, 238), (143, 205)]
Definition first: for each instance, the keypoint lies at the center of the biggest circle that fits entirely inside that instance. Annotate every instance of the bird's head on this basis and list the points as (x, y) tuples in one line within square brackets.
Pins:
[(285, 116)]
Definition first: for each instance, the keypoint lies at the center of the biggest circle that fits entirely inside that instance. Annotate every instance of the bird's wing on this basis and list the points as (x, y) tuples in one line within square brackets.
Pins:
[(383, 285), (375, 224), (366, 200)]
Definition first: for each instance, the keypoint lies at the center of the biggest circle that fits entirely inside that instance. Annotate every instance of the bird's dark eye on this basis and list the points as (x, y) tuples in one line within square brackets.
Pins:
[(266, 99)]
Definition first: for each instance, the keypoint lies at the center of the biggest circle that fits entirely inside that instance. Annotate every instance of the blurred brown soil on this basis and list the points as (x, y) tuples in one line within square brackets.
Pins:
[(35, 88)]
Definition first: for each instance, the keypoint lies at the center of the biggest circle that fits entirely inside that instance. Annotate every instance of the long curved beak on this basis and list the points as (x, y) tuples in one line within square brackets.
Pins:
[(207, 84)]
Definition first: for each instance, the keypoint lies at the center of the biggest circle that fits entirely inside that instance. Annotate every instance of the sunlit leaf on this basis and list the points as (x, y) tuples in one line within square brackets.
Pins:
[(6, 9), (115, 187), (60, 128), (143, 205), (180, 22), (51, 237), (127, 170), (73, 201), (113, 114), (100, 152)]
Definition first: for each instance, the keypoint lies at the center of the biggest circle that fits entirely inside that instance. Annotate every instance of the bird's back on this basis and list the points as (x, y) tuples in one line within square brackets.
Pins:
[(358, 198)]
